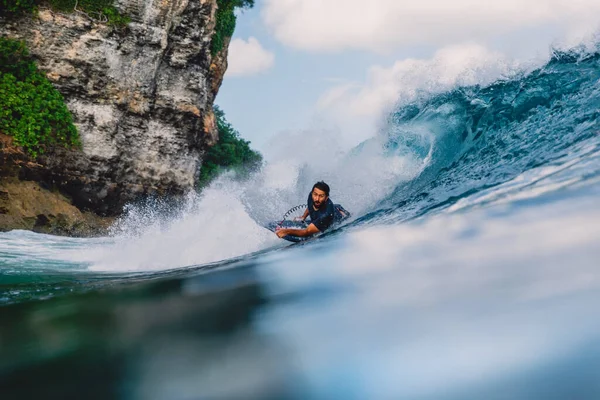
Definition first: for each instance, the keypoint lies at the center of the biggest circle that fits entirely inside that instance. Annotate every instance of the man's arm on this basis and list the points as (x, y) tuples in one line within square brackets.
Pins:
[(305, 215), (310, 230)]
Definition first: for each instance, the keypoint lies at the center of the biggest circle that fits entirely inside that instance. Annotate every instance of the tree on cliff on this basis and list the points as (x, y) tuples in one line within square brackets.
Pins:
[(230, 153), (225, 23)]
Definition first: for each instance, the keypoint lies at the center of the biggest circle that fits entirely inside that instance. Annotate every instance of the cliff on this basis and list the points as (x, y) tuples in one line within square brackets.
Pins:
[(141, 97)]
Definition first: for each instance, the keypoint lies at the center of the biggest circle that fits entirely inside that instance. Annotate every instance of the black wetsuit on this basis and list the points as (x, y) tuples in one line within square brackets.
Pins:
[(324, 216)]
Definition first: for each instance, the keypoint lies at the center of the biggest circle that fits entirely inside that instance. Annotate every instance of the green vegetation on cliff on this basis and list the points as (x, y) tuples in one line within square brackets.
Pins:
[(32, 111), (225, 24), (230, 153), (98, 10), (15, 7)]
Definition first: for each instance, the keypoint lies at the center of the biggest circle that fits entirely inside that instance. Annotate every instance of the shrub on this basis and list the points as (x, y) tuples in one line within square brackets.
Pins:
[(32, 111), (225, 24), (16, 7), (114, 17), (230, 152), (100, 10)]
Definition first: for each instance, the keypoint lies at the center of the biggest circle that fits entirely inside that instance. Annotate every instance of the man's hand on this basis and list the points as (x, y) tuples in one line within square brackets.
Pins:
[(310, 230), (281, 232), (299, 219)]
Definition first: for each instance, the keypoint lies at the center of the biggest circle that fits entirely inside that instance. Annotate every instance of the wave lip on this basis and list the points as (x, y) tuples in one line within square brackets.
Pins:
[(487, 135)]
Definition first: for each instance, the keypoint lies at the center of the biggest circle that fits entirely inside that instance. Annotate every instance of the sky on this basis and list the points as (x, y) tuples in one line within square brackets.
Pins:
[(337, 67)]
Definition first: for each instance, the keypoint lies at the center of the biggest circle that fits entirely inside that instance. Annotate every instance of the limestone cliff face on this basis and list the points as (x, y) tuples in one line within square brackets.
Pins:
[(141, 97)]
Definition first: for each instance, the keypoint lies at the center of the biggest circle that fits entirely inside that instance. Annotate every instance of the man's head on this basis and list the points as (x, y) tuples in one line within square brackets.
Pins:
[(320, 193)]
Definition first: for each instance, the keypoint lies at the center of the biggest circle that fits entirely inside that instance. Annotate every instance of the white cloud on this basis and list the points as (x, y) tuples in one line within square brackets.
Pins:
[(248, 58), (332, 25)]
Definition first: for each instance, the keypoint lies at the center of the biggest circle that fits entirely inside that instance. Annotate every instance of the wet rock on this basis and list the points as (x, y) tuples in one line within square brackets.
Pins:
[(27, 205), (141, 98)]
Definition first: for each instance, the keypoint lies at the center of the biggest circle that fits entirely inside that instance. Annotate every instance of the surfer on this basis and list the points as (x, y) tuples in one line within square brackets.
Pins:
[(323, 213)]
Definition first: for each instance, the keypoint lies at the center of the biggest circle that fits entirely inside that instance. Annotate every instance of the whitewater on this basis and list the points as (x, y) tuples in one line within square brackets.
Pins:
[(470, 268)]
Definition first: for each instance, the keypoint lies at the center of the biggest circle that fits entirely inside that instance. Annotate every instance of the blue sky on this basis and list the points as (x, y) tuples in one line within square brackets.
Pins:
[(284, 97), (340, 65)]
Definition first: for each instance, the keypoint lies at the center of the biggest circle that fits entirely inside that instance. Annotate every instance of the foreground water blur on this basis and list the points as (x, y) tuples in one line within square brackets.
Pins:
[(496, 302)]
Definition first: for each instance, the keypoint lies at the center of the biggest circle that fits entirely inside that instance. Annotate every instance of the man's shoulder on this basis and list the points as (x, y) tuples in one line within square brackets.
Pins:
[(330, 206)]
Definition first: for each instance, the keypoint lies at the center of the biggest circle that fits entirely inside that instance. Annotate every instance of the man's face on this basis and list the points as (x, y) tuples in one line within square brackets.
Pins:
[(318, 197)]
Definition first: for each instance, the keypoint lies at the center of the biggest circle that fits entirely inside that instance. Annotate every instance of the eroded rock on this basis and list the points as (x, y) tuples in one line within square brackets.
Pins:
[(141, 98)]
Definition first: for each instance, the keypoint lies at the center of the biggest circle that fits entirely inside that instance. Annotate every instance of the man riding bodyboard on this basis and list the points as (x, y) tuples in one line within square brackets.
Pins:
[(323, 213)]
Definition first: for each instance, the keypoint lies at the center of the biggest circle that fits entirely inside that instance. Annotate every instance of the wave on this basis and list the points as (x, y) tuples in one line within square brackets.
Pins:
[(433, 152), (489, 135)]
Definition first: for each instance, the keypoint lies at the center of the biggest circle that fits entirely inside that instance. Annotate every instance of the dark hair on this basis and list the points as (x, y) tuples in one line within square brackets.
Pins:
[(321, 186)]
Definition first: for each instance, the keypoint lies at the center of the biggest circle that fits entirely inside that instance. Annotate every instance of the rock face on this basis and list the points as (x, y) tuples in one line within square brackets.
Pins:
[(26, 204), (141, 97)]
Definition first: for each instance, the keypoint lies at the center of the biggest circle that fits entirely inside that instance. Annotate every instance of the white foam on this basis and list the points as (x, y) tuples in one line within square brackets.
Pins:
[(212, 227), (227, 220)]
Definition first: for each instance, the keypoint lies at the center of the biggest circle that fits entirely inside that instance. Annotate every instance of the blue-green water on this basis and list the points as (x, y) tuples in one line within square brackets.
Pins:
[(472, 270)]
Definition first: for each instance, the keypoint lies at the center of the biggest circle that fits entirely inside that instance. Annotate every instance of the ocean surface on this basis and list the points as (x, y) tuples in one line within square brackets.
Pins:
[(470, 269)]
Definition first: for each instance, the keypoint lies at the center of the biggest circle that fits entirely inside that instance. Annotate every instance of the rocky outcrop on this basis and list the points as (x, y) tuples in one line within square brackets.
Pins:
[(141, 97), (31, 205)]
